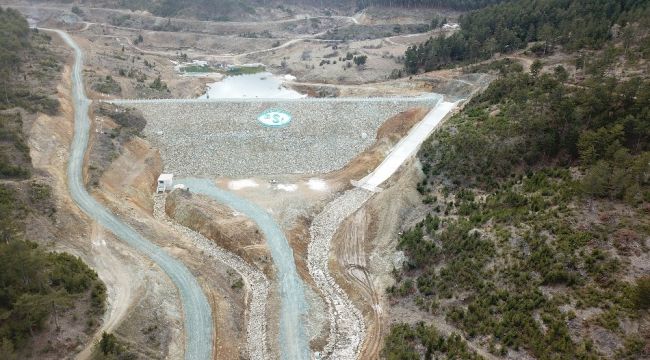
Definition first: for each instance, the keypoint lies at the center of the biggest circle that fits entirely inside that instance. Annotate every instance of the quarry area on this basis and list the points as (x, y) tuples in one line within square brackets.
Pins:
[(240, 255)]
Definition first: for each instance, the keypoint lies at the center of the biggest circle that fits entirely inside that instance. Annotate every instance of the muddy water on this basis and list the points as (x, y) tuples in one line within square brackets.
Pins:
[(261, 85)]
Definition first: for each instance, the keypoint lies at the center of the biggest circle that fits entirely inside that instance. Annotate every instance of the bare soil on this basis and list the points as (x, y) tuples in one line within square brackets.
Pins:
[(144, 309), (228, 230)]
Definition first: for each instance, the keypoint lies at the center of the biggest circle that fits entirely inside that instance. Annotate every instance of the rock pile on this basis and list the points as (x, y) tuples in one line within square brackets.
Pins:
[(256, 282), (224, 138), (347, 328)]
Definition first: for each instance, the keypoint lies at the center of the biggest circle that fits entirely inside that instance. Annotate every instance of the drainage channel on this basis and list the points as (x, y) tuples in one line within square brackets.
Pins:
[(293, 306)]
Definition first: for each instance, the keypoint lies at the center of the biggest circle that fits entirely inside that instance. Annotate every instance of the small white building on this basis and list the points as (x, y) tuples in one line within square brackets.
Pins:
[(165, 181)]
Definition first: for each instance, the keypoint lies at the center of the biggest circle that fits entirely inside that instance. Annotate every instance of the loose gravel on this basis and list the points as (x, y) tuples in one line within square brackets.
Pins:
[(347, 329), (256, 281), (224, 138)]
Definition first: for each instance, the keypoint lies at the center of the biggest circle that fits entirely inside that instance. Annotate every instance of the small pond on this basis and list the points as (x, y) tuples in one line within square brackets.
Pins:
[(250, 86)]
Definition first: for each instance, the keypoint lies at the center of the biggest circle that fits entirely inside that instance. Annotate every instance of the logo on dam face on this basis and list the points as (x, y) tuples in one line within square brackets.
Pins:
[(275, 118)]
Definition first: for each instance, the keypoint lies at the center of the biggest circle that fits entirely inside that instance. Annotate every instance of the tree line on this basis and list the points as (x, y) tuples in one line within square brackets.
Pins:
[(509, 26), (512, 183), (447, 4)]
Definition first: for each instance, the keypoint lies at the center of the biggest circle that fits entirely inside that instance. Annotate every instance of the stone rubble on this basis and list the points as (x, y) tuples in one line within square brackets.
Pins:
[(256, 282), (347, 328), (224, 138)]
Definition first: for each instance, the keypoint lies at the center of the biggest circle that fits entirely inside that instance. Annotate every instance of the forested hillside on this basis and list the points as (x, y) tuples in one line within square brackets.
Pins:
[(227, 10), (41, 293), (512, 25), (444, 4), (536, 240), (219, 10)]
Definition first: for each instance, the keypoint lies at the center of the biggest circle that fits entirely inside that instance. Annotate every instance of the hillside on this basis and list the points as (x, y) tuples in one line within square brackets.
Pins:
[(223, 10), (299, 222), (511, 26), (47, 299), (536, 239)]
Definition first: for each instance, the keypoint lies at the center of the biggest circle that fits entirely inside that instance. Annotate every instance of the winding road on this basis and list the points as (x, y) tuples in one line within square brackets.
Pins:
[(294, 344), (196, 310)]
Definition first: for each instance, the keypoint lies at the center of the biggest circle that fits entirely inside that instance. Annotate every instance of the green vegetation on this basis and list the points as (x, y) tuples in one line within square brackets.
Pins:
[(159, 85), (217, 10), (451, 4), (402, 340), (231, 71), (522, 122), (512, 25), (39, 290), (22, 77), (245, 70), (109, 145), (107, 85), (360, 60), (538, 194), (37, 285), (15, 161), (111, 348), (642, 293), (238, 284), (77, 11), (198, 69), (367, 32)]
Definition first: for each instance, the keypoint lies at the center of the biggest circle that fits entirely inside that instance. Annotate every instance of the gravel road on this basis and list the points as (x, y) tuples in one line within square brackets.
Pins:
[(294, 344), (256, 282), (196, 310)]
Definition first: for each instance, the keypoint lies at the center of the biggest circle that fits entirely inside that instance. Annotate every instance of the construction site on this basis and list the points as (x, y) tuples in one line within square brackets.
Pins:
[(257, 226)]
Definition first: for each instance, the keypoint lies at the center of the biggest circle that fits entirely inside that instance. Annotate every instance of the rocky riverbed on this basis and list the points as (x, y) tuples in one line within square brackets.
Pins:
[(347, 328)]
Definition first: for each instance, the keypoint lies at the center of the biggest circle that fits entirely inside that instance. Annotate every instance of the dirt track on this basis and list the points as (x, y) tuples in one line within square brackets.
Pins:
[(198, 322), (355, 286)]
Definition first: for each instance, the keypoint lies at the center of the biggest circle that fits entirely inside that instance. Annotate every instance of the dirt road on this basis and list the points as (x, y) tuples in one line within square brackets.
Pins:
[(197, 314)]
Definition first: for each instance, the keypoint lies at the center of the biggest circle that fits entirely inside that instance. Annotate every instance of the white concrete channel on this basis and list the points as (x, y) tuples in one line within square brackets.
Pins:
[(406, 147), (196, 310)]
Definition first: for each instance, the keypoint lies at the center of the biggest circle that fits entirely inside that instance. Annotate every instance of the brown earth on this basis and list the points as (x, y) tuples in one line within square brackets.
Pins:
[(388, 135), (126, 189), (363, 253), (127, 184), (49, 137), (235, 233)]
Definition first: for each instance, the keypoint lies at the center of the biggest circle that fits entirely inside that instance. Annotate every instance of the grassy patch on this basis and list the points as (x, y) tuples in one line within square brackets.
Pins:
[(107, 85), (245, 70)]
